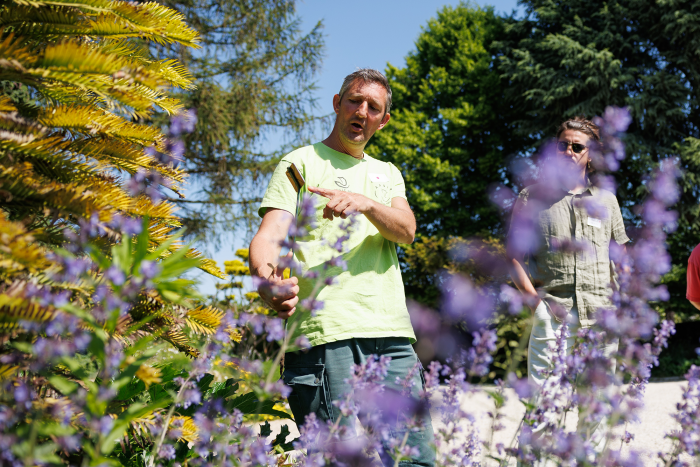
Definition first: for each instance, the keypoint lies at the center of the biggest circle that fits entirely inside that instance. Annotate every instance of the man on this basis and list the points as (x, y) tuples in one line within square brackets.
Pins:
[(364, 312), (693, 290)]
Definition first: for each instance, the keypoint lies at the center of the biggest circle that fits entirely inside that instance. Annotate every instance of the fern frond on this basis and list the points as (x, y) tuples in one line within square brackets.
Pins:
[(6, 104), (204, 320), (71, 57), (77, 199), (51, 21), (91, 120), (158, 22), (14, 122), (109, 154), (7, 371), (151, 20), (207, 265), (174, 73), (96, 6), (18, 249), (108, 76), (170, 70), (178, 339), (16, 54), (15, 309)]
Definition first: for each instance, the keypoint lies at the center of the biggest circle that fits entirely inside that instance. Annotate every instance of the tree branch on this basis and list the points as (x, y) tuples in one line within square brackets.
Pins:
[(227, 201)]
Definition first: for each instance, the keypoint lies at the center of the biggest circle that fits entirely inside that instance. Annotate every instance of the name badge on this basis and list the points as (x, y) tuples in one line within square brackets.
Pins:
[(378, 178), (592, 221)]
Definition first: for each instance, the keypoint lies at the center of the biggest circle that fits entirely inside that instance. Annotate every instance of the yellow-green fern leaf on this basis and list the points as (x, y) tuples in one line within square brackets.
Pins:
[(18, 249), (6, 104), (204, 320), (14, 309)]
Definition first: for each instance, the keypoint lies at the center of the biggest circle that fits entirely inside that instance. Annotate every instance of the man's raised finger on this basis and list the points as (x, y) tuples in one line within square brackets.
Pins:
[(322, 191)]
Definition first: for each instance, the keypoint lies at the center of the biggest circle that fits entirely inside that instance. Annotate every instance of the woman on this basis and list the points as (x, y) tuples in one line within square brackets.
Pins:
[(563, 227)]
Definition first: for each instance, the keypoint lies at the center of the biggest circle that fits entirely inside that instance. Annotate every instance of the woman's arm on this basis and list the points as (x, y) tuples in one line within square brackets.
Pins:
[(523, 283)]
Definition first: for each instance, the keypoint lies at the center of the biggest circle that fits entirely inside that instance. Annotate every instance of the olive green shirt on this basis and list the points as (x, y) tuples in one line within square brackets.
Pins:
[(566, 278)]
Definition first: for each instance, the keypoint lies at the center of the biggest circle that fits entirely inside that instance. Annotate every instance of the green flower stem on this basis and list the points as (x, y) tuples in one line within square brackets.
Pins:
[(166, 424)]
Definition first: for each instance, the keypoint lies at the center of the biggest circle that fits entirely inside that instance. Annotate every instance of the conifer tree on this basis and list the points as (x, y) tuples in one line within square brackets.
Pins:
[(254, 82), (451, 135)]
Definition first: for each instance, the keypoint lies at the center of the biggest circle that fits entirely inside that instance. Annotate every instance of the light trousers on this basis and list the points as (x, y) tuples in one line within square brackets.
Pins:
[(539, 358)]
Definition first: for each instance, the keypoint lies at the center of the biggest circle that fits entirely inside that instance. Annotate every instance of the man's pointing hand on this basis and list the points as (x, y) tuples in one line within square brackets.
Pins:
[(342, 203)]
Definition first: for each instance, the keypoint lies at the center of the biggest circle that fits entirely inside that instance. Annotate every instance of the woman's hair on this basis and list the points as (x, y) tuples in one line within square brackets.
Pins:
[(581, 124)]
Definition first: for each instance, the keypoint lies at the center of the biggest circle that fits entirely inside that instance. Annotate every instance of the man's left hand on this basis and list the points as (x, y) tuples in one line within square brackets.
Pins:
[(342, 203)]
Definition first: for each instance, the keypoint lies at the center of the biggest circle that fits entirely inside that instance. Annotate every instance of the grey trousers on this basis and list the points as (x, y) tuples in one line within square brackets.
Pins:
[(317, 379)]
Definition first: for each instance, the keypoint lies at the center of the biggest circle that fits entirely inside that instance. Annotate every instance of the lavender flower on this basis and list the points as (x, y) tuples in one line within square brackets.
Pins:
[(115, 275), (166, 451), (149, 269), (513, 298), (463, 301), (183, 124)]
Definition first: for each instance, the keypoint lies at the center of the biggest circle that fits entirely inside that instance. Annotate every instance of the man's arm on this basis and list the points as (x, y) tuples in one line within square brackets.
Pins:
[(695, 304), (396, 222), (279, 293), (523, 283)]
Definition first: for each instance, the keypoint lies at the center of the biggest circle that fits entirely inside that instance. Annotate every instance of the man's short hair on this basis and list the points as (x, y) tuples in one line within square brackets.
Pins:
[(368, 75)]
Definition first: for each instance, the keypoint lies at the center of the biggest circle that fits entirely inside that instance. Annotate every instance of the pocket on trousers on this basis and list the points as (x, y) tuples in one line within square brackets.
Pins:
[(309, 392), (542, 312)]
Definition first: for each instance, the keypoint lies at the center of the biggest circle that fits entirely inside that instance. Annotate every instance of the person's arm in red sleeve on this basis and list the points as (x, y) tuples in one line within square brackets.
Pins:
[(693, 290)]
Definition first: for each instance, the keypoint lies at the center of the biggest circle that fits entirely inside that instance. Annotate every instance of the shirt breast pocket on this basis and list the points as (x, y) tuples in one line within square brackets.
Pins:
[(599, 237)]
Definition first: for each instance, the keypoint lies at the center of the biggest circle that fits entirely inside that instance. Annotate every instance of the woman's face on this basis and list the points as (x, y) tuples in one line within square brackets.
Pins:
[(574, 141)]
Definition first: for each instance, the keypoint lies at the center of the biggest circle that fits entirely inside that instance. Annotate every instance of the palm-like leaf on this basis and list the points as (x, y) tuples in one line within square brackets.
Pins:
[(70, 155), (204, 320)]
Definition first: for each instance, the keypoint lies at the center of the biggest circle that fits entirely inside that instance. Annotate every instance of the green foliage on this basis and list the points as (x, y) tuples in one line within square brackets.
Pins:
[(681, 354), (105, 403), (566, 58), (513, 332), (451, 129), (254, 77), (429, 259)]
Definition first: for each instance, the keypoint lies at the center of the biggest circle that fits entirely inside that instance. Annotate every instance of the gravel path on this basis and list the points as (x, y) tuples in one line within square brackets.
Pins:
[(649, 435)]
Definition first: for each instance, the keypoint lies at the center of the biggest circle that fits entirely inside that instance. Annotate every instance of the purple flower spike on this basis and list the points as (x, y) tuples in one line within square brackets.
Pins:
[(617, 119), (176, 149), (463, 301), (513, 298), (149, 269), (522, 387), (166, 451), (313, 305), (115, 275), (302, 342), (183, 124)]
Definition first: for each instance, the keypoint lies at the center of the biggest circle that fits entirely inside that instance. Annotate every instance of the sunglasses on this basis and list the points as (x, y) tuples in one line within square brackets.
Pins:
[(576, 147)]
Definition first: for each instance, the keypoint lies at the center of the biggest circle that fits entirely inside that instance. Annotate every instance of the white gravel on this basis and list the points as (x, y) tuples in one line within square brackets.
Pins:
[(649, 434)]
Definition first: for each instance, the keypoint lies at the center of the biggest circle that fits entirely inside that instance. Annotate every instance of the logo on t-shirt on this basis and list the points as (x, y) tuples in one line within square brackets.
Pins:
[(382, 193), (342, 183)]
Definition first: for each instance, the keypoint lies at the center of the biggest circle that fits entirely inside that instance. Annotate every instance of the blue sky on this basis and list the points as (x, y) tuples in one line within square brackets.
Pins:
[(361, 33), (370, 33)]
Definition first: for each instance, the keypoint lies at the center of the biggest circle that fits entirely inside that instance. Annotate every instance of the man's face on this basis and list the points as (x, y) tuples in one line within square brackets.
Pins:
[(360, 112)]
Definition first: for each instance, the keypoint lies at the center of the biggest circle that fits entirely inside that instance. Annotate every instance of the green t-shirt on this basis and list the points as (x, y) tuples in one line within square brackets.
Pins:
[(366, 300)]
